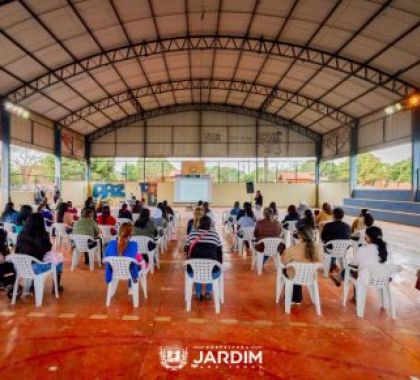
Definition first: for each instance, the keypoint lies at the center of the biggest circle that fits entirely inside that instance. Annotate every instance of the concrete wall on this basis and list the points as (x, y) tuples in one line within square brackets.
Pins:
[(224, 194), (334, 192)]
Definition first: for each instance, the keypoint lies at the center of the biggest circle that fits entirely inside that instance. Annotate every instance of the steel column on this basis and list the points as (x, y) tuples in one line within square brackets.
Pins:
[(57, 156), (416, 154), (5, 153), (353, 157)]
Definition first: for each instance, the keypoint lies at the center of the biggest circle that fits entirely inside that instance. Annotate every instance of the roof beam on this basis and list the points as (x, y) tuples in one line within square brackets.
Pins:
[(220, 84), (98, 44), (343, 46), (248, 29), (384, 80), (267, 102), (219, 12), (279, 33), (204, 107)]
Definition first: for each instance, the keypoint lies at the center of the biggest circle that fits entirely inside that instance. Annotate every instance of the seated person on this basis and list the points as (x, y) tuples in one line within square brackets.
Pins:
[(305, 251), (35, 241), (194, 223), (292, 215), (71, 209), (302, 208), (373, 252), (208, 212), (137, 207), (144, 226), (307, 221), (9, 215), (7, 270), (359, 223), (122, 246), (86, 225), (335, 230), (64, 216), (125, 213), (267, 228), (235, 210), (273, 207), (157, 218), (241, 212), (46, 213), (325, 215), (168, 208), (204, 243), (248, 219), (359, 235), (106, 219), (24, 213)]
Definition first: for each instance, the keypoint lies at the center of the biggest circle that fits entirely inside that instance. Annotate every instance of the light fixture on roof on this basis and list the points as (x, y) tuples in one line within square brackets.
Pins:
[(398, 106), (414, 100), (17, 110), (389, 110)]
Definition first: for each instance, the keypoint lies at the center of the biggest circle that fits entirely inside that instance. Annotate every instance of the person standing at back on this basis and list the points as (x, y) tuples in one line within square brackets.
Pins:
[(259, 200)]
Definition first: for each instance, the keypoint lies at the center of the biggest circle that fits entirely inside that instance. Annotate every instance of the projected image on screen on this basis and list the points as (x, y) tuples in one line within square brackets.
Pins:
[(192, 189)]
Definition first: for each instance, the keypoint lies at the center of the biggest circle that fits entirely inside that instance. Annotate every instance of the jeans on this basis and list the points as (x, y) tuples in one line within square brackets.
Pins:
[(209, 287)]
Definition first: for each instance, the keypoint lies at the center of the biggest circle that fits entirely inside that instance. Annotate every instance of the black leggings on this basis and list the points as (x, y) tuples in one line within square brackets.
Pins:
[(297, 291)]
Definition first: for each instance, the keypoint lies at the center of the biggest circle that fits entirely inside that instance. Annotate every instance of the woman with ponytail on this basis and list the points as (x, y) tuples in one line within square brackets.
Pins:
[(305, 251), (122, 246)]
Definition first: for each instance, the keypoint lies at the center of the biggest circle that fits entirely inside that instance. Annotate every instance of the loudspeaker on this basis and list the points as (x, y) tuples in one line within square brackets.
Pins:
[(250, 187)]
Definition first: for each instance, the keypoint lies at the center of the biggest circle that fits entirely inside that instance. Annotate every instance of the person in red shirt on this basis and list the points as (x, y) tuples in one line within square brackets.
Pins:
[(106, 219)]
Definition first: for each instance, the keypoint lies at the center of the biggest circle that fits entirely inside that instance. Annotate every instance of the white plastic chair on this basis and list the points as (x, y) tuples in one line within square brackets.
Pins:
[(60, 234), (339, 249), (248, 235), (81, 245), (142, 247), (177, 218), (121, 271), (380, 277), (11, 236), (106, 233), (306, 274), (23, 266), (120, 221), (202, 273), (270, 250)]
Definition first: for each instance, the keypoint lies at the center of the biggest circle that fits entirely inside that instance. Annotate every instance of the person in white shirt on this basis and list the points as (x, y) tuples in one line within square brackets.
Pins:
[(374, 252)]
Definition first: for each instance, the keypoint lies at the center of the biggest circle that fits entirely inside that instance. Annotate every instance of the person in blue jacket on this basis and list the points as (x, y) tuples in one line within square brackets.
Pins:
[(122, 246)]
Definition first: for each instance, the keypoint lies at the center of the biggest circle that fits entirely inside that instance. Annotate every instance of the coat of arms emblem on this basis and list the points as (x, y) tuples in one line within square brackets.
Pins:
[(173, 358)]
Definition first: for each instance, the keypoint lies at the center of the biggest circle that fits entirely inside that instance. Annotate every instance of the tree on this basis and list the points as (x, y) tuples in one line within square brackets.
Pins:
[(370, 169)]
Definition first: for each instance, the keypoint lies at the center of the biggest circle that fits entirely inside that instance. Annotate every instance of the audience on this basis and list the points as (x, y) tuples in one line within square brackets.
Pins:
[(137, 207), (325, 215), (86, 225), (241, 212), (7, 270), (35, 241), (144, 226), (307, 221), (106, 218), (305, 251), (248, 219), (359, 223), (291, 216), (168, 208), (235, 210), (46, 213), (122, 246), (158, 218), (125, 213), (335, 230), (273, 207), (375, 251), (24, 213), (204, 244), (194, 223), (267, 228), (64, 216), (9, 215)]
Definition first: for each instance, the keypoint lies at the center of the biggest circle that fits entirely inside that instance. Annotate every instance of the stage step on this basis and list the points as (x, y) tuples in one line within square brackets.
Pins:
[(399, 206), (406, 218), (383, 195)]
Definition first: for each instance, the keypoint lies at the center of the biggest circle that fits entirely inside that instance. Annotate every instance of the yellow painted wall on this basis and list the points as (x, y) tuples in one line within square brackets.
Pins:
[(333, 193)]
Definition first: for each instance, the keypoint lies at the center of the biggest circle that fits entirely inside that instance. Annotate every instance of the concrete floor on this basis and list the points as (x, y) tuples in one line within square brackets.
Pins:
[(78, 337)]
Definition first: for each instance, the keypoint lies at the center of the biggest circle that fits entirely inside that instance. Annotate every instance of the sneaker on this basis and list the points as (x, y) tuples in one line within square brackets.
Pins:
[(335, 280)]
